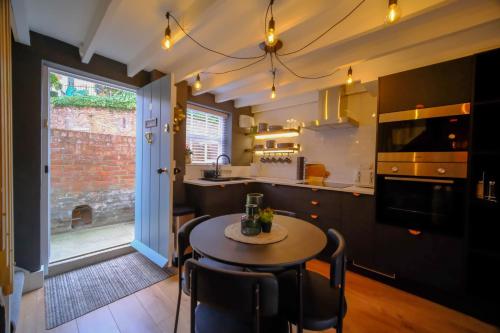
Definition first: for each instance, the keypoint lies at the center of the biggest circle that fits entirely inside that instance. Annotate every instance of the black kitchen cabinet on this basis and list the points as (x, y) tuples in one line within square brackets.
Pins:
[(487, 74), (441, 84), (220, 199), (425, 260), (358, 226)]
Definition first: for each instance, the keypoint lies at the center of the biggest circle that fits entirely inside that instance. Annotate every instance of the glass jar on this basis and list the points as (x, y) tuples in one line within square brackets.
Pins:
[(255, 199), (250, 223)]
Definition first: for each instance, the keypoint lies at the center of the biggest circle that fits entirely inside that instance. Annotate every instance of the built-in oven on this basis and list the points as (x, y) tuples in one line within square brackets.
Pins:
[(426, 195), (438, 129)]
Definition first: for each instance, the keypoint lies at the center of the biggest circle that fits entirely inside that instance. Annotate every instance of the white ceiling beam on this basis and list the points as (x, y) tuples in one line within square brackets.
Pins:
[(19, 22), (445, 21), (307, 98), (198, 12), (477, 39), (101, 19), (368, 18)]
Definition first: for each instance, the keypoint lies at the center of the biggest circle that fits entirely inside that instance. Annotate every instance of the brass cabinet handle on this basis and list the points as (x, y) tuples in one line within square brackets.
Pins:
[(414, 232), (314, 190), (314, 216), (314, 202)]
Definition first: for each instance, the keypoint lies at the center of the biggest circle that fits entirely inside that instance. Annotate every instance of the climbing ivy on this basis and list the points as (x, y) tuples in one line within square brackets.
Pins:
[(124, 101)]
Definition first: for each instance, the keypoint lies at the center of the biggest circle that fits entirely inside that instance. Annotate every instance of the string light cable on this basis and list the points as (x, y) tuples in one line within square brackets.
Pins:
[(345, 17), (206, 47)]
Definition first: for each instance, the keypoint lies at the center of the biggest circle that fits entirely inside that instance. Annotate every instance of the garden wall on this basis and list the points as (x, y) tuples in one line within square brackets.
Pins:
[(92, 166)]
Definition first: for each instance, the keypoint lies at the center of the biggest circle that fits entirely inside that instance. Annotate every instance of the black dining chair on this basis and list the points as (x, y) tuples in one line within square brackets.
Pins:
[(284, 213), (182, 246), (324, 304), (226, 301)]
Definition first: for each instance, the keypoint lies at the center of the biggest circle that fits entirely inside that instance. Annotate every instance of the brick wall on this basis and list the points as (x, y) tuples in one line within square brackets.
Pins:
[(92, 163)]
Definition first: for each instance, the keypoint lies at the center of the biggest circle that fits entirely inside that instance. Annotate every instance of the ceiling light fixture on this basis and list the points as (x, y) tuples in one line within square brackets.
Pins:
[(197, 83), (349, 75), (394, 12), (271, 37), (273, 89), (166, 42), (270, 46)]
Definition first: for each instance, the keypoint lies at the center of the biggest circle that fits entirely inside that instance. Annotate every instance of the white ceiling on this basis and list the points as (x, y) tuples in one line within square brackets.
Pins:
[(130, 31)]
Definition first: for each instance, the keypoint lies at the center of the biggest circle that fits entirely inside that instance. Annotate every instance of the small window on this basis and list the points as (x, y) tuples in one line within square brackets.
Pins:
[(207, 134)]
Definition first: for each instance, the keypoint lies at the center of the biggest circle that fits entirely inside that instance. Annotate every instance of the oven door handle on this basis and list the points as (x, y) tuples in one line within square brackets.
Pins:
[(421, 180)]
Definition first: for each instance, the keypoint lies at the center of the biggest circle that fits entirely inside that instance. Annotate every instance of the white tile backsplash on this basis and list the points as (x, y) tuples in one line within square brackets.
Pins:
[(343, 151)]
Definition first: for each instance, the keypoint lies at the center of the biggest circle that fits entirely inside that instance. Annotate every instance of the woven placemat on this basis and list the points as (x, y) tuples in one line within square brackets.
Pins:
[(277, 234)]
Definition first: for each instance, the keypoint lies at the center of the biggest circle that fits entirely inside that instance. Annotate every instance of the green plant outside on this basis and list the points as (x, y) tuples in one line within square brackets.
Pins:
[(125, 101)]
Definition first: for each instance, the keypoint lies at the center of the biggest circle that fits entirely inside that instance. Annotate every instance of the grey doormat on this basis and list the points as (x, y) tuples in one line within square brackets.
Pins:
[(73, 294)]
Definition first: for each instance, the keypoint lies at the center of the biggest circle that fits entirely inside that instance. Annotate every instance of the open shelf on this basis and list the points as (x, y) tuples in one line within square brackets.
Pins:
[(295, 149), (283, 133)]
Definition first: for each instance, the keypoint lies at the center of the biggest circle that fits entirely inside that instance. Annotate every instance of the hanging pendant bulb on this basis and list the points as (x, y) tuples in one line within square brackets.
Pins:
[(273, 92), (197, 83), (271, 37), (166, 42), (349, 76), (394, 12)]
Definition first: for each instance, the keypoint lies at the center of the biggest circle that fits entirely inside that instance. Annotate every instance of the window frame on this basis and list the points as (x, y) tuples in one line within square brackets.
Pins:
[(227, 131)]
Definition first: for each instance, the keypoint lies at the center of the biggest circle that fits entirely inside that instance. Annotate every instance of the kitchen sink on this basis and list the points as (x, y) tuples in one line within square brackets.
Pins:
[(224, 179)]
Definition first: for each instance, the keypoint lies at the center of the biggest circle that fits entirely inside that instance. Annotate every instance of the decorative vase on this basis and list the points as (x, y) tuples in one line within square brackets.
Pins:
[(250, 223), (255, 199)]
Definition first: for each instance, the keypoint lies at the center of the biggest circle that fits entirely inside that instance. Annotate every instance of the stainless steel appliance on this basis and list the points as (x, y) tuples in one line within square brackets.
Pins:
[(438, 129), (422, 168)]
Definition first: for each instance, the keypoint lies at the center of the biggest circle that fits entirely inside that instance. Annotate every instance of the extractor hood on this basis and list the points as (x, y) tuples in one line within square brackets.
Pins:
[(332, 110)]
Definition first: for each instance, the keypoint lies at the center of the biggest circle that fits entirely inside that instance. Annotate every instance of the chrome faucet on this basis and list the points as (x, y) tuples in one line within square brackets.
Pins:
[(217, 172)]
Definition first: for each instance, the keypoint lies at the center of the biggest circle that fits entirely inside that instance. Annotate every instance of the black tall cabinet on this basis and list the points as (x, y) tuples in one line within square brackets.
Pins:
[(484, 212)]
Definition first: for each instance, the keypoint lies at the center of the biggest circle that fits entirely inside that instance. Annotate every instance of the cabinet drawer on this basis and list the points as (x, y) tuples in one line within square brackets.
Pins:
[(426, 259)]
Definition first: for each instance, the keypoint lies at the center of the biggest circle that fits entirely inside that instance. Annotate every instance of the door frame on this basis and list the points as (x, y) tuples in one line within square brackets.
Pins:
[(48, 66)]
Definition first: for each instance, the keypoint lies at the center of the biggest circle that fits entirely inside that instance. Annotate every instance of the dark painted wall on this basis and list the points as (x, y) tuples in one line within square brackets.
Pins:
[(26, 74)]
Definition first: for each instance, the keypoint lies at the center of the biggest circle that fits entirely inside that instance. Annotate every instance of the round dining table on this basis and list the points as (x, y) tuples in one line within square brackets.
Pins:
[(303, 242)]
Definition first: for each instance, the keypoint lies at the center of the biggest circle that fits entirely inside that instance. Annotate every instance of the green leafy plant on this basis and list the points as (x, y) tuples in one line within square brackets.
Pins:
[(123, 101), (266, 215)]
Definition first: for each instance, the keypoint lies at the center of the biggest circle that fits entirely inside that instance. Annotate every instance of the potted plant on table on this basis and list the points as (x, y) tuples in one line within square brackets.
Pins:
[(266, 219)]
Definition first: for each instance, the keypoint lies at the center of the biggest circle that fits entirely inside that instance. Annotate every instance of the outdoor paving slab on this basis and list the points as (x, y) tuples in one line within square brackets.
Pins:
[(79, 242)]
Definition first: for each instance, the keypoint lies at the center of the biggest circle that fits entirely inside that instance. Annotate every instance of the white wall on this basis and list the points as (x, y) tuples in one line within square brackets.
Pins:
[(343, 151)]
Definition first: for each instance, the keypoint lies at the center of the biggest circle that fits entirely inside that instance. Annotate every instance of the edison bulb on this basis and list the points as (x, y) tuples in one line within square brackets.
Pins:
[(166, 42), (271, 37), (394, 12), (273, 92), (349, 76), (197, 83)]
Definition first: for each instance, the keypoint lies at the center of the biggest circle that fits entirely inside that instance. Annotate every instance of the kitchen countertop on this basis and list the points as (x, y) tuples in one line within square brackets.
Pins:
[(280, 181)]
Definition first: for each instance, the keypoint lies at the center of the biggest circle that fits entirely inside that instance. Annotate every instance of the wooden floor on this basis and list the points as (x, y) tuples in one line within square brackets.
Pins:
[(372, 307)]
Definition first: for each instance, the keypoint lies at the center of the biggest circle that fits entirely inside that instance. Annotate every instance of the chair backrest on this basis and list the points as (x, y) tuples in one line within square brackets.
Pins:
[(183, 237), (284, 213), (337, 260), (243, 294)]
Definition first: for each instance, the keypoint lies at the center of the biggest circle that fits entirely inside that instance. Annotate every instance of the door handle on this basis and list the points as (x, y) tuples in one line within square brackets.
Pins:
[(162, 170)]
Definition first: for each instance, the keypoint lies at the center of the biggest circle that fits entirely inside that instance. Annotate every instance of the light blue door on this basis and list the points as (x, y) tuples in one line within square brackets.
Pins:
[(153, 203)]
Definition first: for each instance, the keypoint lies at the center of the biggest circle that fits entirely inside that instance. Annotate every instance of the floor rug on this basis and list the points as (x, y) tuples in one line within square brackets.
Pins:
[(75, 293)]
